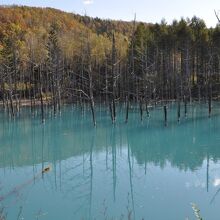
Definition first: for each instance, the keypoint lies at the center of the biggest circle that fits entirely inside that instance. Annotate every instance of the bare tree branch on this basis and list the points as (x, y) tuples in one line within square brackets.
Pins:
[(216, 14)]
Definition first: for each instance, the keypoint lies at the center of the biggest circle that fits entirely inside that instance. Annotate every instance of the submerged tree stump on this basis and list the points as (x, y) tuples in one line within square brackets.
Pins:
[(165, 114), (178, 110)]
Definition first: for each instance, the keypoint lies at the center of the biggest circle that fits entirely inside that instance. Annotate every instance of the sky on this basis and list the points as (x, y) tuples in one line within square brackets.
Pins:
[(151, 11)]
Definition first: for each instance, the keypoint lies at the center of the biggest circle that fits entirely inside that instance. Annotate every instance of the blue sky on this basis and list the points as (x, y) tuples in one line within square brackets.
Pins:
[(146, 10)]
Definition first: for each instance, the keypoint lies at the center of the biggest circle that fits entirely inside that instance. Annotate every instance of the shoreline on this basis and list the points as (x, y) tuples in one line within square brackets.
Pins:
[(27, 102)]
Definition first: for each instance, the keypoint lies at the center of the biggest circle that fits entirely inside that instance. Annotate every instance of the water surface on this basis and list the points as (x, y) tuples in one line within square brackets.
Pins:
[(140, 170)]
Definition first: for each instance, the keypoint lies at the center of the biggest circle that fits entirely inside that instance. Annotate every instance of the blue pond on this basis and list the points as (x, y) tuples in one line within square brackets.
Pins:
[(139, 170)]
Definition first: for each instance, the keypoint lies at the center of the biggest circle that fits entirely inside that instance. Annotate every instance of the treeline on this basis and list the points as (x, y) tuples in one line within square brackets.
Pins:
[(50, 57)]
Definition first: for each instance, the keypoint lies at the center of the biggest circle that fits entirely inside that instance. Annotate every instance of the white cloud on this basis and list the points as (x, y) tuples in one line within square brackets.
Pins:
[(88, 2)]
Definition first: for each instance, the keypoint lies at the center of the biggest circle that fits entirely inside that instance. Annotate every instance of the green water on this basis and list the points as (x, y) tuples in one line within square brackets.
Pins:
[(141, 170)]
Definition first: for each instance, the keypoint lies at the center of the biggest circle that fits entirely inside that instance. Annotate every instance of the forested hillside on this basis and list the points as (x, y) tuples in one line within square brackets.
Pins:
[(54, 56)]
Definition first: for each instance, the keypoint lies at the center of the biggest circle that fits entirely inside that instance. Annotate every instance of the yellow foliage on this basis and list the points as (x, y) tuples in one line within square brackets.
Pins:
[(19, 86), (26, 30)]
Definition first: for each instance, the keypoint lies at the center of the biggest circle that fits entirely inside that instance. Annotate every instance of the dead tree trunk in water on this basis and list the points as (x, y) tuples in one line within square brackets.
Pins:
[(3, 89), (11, 94), (131, 63), (147, 110), (165, 114), (141, 108), (178, 109), (114, 81), (91, 96), (41, 95), (210, 100), (185, 106), (127, 108)]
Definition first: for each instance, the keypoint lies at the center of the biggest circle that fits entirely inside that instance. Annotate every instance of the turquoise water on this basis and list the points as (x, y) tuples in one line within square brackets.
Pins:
[(139, 170)]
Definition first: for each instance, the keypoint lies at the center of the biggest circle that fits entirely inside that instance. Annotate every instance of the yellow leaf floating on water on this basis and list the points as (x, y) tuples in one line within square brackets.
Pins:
[(47, 169)]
